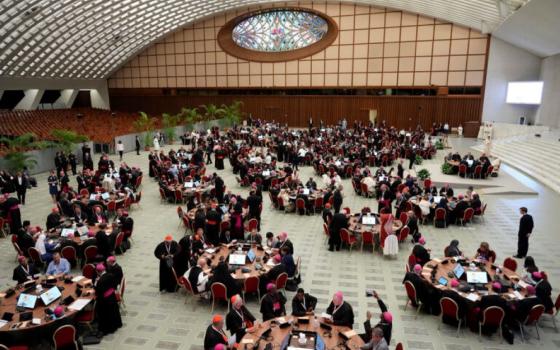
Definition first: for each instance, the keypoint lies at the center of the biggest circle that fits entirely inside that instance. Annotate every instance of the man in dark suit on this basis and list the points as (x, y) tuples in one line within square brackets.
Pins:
[(273, 304), (239, 319), (21, 183), (493, 300), (254, 203), (419, 284), (272, 274), (327, 213), (24, 238), (459, 210), (303, 303), (525, 229), (283, 241), (215, 334), (24, 271), (337, 199), (341, 312), (338, 222), (53, 219), (115, 270)]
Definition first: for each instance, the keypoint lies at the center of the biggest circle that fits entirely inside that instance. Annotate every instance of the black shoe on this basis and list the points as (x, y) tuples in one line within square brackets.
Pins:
[(331, 250), (517, 256)]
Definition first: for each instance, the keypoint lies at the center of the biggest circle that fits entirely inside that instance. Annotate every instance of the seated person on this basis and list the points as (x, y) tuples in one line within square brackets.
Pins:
[(58, 266), (493, 300), (287, 260), (524, 306), (254, 237), (484, 253), (44, 247), (453, 249), (530, 267), (273, 304), (341, 312), (215, 335), (272, 274), (24, 238), (422, 254), (415, 277), (239, 320), (303, 303), (53, 219), (377, 341), (385, 322), (543, 290), (222, 275), (197, 277), (24, 271)]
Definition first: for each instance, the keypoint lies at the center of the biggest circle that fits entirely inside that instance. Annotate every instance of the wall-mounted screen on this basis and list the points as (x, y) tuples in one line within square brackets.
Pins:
[(524, 92)]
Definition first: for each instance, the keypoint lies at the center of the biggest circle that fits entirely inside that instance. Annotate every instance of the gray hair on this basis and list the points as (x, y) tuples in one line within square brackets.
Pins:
[(378, 332)]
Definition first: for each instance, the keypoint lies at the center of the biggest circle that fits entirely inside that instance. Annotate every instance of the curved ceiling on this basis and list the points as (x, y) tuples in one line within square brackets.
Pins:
[(89, 39)]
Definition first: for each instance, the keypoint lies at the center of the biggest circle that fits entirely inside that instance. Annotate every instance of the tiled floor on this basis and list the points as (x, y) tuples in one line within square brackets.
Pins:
[(163, 321)]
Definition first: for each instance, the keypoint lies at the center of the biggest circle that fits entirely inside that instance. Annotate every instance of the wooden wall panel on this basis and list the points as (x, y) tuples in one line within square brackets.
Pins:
[(400, 111)]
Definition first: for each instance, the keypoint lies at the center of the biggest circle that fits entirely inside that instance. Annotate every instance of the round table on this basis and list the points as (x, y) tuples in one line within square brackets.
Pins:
[(358, 228), (308, 324), (254, 269), (28, 330)]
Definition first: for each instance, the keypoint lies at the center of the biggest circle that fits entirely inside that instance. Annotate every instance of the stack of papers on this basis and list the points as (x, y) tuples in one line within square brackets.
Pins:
[(79, 304), (472, 296), (77, 279)]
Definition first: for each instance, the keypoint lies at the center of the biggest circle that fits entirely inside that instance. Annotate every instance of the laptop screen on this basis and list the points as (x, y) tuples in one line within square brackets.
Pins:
[(50, 295), (237, 259), (477, 277), (459, 270), (27, 301), (369, 220), (305, 191), (251, 255)]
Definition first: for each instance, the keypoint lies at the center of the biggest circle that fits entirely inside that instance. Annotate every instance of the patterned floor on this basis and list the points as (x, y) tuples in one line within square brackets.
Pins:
[(163, 321)]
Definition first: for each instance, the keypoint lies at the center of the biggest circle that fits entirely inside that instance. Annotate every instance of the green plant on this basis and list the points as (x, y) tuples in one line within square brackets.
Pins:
[(423, 174), (232, 113), (211, 112), (15, 148), (419, 159), (439, 145), (147, 125), (447, 169), (189, 116), (66, 139), (169, 123)]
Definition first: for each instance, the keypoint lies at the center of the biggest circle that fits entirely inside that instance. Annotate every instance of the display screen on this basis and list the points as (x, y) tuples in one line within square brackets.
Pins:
[(524, 92)]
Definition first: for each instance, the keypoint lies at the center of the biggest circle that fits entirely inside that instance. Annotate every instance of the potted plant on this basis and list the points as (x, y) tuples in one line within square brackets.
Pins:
[(232, 113), (146, 125), (439, 145), (423, 174), (15, 148), (419, 159), (189, 116), (211, 112), (66, 139), (169, 123), (447, 169)]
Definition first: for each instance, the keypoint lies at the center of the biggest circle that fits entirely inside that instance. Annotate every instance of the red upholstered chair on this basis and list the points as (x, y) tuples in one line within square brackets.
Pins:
[(411, 261), (90, 254), (510, 263), (120, 293), (19, 252), (300, 206), (405, 231), (86, 316), (137, 200), (162, 196), (65, 338), (364, 190), (427, 183), (280, 203), (326, 231), (467, 216), (180, 214), (491, 317), (179, 196), (14, 347), (477, 172), (403, 217), (252, 224), (532, 319), (281, 282), (347, 238), (88, 271), (112, 207), (412, 297), (552, 313), (118, 242), (399, 347), (251, 285), (184, 283), (35, 256), (69, 253), (489, 171), (450, 310), (139, 181), (440, 216), (219, 292), (318, 205), (462, 170), (367, 238), (481, 213)]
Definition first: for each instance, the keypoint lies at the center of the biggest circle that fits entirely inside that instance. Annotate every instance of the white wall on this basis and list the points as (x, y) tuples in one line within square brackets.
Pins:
[(508, 63), (549, 112)]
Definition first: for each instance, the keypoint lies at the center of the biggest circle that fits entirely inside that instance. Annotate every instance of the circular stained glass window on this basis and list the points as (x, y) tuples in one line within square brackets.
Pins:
[(277, 34), (280, 30)]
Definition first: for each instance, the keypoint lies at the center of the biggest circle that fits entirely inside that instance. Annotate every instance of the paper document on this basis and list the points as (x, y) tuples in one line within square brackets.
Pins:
[(472, 296), (79, 304), (77, 279)]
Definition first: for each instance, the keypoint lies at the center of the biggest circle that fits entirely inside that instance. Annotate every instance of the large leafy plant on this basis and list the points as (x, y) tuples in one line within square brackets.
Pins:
[(16, 147), (66, 139), (146, 125), (169, 123)]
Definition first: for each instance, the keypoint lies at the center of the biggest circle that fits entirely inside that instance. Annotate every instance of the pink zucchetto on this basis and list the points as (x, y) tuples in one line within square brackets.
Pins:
[(417, 268)]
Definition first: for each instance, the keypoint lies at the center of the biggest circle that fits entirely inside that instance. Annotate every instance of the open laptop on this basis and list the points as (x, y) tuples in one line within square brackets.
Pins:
[(237, 259), (27, 301), (50, 295), (189, 185), (477, 277), (459, 270), (369, 220), (305, 191), (251, 256)]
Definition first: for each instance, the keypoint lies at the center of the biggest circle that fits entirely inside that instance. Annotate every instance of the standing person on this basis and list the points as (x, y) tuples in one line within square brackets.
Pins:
[(156, 144), (310, 123), (85, 151), (120, 149), (337, 199), (525, 229), (137, 145), (411, 158), (106, 306), (338, 222), (215, 334), (165, 251), (21, 184), (52, 180)]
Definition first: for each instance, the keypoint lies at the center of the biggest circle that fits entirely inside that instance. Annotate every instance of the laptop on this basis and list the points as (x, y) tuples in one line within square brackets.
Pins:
[(305, 191), (437, 199), (369, 220), (266, 173), (477, 277), (67, 232), (27, 301), (459, 270), (189, 185), (251, 256), (50, 295), (105, 195), (237, 259)]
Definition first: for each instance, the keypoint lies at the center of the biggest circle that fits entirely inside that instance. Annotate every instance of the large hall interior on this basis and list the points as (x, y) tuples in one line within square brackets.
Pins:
[(271, 175)]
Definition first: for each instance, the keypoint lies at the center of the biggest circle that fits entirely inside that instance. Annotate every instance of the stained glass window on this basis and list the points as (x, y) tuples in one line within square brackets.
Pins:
[(279, 30)]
